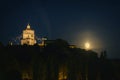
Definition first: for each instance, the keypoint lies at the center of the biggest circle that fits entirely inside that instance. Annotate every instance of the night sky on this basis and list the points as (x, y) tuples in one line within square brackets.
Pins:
[(76, 21)]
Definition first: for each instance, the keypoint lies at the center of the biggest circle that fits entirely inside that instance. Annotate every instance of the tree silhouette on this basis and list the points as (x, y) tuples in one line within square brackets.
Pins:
[(55, 61)]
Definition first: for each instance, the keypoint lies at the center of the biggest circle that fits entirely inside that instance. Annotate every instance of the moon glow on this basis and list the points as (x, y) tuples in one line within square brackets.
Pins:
[(87, 45)]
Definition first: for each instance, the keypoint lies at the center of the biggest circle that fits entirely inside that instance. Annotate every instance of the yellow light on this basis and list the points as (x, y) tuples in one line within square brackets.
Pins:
[(87, 45)]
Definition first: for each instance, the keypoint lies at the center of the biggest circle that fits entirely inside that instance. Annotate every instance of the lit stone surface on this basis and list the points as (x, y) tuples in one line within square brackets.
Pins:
[(28, 36)]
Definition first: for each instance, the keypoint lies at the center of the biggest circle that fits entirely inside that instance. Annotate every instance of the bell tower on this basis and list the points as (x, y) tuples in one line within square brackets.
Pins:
[(28, 36)]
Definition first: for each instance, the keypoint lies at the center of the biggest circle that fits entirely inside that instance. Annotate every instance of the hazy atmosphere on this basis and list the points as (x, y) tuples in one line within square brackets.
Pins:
[(96, 22)]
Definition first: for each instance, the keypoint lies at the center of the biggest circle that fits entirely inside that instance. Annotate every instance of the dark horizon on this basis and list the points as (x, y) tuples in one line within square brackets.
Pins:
[(55, 61)]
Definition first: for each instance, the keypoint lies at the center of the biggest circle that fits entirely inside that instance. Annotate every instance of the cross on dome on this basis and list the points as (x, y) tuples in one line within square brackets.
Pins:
[(28, 26)]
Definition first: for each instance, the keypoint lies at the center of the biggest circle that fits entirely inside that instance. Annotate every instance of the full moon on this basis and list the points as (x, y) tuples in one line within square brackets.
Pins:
[(87, 45)]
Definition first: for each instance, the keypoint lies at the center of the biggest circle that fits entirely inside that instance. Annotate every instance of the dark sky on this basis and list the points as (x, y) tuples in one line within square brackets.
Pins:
[(76, 21)]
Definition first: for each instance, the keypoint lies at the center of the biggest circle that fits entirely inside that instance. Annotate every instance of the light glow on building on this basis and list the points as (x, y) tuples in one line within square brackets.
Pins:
[(28, 36)]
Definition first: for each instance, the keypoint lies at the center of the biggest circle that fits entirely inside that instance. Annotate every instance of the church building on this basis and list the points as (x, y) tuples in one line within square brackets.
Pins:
[(28, 36)]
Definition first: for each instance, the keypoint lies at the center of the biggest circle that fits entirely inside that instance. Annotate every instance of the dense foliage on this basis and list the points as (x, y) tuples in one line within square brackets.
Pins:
[(46, 63)]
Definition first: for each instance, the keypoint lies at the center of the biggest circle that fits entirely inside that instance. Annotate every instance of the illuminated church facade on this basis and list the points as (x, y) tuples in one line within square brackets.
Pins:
[(28, 36)]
